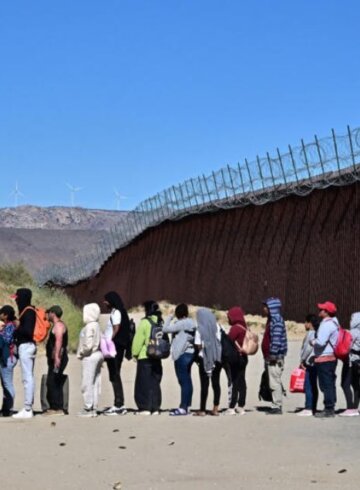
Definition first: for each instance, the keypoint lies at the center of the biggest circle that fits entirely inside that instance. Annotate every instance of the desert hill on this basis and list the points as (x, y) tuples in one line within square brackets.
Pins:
[(40, 236)]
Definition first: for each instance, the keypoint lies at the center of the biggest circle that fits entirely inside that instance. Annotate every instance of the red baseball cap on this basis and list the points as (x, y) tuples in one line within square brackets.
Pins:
[(328, 306)]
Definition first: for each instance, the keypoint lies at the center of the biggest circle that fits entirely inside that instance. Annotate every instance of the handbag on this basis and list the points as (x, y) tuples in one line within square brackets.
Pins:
[(107, 348), (297, 381)]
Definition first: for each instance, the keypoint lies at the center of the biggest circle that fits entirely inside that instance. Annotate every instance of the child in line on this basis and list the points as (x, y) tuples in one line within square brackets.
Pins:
[(307, 357)]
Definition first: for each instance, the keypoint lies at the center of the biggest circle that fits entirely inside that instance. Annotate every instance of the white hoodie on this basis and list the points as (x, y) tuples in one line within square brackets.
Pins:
[(89, 340)]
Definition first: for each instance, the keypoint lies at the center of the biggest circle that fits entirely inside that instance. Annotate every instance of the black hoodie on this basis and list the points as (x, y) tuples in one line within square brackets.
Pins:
[(25, 332)]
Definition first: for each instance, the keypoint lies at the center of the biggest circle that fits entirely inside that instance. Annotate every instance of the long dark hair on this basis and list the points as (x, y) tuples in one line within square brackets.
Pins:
[(314, 320), (116, 302)]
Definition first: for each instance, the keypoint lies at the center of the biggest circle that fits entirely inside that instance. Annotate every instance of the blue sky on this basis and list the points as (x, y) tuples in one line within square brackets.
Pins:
[(139, 95)]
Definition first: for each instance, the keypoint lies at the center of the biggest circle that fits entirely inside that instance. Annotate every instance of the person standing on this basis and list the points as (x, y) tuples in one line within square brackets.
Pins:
[(24, 340), (148, 371), (208, 344), (355, 359), (91, 358), (274, 347), (182, 352), (117, 330), (307, 358), (57, 358), (325, 360), (237, 334), (8, 359)]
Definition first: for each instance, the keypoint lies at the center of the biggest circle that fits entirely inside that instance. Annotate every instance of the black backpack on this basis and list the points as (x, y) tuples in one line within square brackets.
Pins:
[(159, 344), (265, 392), (132, 330), (229, 352)]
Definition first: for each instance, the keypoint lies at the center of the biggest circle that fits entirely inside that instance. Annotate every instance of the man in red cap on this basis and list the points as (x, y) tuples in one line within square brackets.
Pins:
[(325, 360)]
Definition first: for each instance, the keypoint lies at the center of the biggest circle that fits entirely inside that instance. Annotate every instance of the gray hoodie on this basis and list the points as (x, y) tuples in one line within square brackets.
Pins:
[(183, 340), (307, 350), (326, 337), (355, 332), (89, 339)]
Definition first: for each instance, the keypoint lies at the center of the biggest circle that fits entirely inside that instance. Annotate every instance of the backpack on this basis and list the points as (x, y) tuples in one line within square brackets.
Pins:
[(343, 344), (229, 352), (132, 330), (159, 344), (265, 392), (42, 324), (251, 342)]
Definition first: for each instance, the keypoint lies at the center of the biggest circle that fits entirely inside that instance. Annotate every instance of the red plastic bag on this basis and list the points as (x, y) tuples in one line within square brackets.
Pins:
[(297, 381)]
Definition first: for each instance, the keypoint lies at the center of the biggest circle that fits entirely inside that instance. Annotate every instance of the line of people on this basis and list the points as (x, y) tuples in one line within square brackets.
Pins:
[(199, 342)]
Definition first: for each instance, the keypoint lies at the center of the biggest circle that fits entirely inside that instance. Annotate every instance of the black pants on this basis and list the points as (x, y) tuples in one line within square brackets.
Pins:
[(114, 367), (327, 380), (204, 384), (55, 383), (355, 382), (238, 395), (147, 385), (346, 385)]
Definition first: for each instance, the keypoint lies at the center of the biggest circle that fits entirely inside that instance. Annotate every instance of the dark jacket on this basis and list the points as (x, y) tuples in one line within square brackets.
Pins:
[(275, 339), (25, 332)]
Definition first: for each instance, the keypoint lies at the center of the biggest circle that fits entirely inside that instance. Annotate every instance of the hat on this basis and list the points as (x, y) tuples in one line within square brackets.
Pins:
[(327, 306), (56, 309)]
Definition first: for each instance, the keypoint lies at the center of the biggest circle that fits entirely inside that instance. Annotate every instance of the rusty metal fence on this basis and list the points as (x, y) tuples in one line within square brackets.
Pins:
[(331, 161)]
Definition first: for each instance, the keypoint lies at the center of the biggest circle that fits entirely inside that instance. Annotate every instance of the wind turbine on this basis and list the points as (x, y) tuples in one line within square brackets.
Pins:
[(16, 193), (73, 191), (118, 198)]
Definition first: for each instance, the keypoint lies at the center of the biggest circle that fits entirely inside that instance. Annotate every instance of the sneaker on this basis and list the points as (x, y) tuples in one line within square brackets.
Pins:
[(115, 411), (325, 414), (178, 411), (155, 413), (53, 412), (305, 413), (274, 411), (350, 412), (87, 412), (143, 412), (240, 411), (23, 414), (230, 411)]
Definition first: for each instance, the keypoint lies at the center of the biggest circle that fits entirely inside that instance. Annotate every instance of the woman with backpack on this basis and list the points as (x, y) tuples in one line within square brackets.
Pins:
[(149, 369), (182, 352), (117, 330), (8, 359), (91, 359), (350, 373), (237, 333), (208, 344)]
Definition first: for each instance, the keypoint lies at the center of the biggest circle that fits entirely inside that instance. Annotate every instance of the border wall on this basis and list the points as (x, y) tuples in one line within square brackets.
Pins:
[(302, 249)]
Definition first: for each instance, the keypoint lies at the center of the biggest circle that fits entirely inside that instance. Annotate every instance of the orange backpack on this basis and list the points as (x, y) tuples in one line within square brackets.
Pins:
[(42, 324)]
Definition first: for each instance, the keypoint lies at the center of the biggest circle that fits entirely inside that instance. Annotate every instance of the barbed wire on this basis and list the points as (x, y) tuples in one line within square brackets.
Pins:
[(333, 160)]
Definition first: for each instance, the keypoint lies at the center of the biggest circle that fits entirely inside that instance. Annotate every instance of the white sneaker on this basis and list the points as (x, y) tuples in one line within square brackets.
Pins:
[(115, 411), (305, 413), (144, 412), (240, 411), (230, 411), (155, 413), (87, 413), (350, 412), (23, 414)]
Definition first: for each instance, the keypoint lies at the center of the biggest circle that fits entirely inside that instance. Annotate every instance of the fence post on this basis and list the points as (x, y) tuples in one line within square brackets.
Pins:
[(293, 164), (319, 153), (207, 188), (216, 188), (336, 150), (352, 148), (306, 158), (271, 170), (281, 165), (194, 192), (260, 172), (248, 169)]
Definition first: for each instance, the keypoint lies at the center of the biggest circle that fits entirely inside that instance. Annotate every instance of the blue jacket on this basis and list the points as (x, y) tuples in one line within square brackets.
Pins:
[(278, 338)]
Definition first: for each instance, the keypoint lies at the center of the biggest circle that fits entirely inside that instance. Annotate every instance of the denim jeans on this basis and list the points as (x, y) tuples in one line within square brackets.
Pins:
[(27, 353), (183, 373), (327, 379), (6, 374), (311, 388)]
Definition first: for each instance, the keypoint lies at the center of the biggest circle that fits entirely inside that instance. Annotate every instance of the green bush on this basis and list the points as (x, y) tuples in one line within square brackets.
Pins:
[(15, 275)]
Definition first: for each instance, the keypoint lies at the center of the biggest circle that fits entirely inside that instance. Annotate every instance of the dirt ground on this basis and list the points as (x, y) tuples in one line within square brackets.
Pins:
[(254, 451)]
